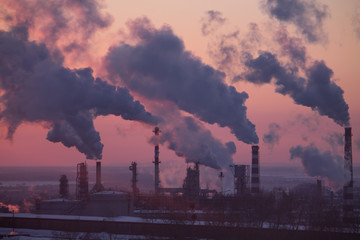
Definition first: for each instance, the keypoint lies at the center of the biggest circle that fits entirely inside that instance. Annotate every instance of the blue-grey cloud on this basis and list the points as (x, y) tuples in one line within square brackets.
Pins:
[(188, 138), (36, 88), (61, 24), (159, 68), (272, 137), (334, 139), (316, 91), (307, 15), (211, 22), (320, 164)]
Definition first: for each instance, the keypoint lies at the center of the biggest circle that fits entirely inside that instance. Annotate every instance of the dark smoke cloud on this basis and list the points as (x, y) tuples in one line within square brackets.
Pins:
[(63, 24), (159, 68), (318, 91), (311, 123), (321, 164), (306, 15), (212, 22), (228, 49), (334, 139), (37, 89), (292, 47), (231, 147), (272, 137), (190, 140)]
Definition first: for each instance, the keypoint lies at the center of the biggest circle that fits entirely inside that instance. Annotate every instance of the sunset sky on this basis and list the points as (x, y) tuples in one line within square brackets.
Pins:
[(327, 32)]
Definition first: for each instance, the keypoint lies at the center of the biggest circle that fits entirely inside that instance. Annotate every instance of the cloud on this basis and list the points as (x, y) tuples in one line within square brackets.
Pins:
[(272, 137), (159, 68), (307, 16), (190, 140), (211, 22), (317, 91), (334, 139), (36, 88), (320, 164), (311, 123), (60, 24), (292, 47)]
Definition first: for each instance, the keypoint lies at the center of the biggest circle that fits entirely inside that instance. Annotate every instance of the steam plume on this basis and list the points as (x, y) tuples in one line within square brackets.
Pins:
[(61, 24), (317, 91), (190, 140), (319, 164), (306, 15), (211, 22), (272, 137), (35, 88), (334, 139), (159, 68)]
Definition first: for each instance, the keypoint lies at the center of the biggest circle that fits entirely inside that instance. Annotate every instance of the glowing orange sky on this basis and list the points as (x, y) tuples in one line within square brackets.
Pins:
[(127, 141)]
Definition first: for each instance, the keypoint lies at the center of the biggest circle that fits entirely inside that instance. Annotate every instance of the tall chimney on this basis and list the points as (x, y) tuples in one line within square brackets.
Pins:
[(98, 187), (348, 204), (157, 162), (64, 186), (133, 169), (255, 179), (98, 173), (82, 182)]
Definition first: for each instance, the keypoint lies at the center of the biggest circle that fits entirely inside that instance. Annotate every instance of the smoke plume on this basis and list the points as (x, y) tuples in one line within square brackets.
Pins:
[(306, 15), (318, 91), (190, 140), (212, 22), (292, 47), (311, 123), (35, 88), (320, 164), (334, 139), (159, 68), (60, 24), (272, 137)]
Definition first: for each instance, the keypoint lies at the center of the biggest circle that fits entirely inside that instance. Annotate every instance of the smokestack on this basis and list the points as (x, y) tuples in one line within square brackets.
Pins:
[(157, 162), (348, 204), (98, 186), (98, 173), (255, 178), (82, 183), (64, 187), (134, 178)]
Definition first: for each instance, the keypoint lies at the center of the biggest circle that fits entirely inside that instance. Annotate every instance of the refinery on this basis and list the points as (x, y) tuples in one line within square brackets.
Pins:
[(189, 211)]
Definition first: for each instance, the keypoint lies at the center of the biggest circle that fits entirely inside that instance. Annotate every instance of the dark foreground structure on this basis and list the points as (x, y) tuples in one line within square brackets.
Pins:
[(137, 226)]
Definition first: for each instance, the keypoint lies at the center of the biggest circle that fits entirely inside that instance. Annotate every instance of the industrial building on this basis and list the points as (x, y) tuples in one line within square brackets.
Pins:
[(98, 202), (109, 203)]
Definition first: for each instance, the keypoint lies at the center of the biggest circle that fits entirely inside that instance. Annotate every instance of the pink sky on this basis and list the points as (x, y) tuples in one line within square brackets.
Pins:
[(126, 141)]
